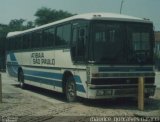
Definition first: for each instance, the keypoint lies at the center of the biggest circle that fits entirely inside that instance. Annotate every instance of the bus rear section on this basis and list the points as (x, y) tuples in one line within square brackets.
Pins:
[(114, 82)]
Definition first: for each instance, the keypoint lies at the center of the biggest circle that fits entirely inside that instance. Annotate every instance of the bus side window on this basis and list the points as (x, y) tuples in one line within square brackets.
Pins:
[(18, 43), (26, 41), (36, 39), (63, 35), (48, 37)]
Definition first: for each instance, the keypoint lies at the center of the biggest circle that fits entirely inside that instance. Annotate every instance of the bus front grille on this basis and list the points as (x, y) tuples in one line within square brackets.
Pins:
[(126, 92), (116, 81)]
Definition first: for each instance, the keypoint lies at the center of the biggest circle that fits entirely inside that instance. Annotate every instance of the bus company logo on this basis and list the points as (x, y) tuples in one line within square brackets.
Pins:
[(39, 58)]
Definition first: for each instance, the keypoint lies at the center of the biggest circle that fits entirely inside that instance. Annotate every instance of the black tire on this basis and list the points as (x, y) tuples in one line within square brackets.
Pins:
[(21, 79), (70, 90)]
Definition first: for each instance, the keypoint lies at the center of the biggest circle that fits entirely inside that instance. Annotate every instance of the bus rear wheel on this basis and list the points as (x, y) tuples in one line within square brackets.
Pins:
[(71, 90), (21, 79)]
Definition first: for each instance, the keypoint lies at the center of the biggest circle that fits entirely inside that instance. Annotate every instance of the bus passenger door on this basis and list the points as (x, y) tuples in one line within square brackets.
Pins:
[(78, 44)]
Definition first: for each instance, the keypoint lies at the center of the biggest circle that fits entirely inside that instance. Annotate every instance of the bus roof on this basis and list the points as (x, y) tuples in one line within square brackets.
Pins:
[(87, 16)]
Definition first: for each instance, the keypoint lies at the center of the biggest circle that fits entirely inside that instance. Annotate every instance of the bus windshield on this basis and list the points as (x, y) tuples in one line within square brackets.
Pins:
[(122, 43)]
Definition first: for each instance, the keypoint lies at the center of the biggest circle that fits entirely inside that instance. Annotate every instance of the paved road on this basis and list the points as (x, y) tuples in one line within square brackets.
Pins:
[(11, 86)]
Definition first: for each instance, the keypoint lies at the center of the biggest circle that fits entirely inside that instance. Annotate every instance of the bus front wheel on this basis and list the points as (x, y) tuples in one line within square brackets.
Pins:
[(21, 79), (71, 90)]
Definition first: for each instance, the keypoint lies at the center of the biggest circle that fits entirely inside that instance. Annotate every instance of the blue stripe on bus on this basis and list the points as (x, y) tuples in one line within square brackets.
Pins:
[(12, 66), (77, 79), (79, 87), (13, 58), (11, 70), (57, 76), (44, 74), (124, 69), (44, 81), (53, 76)]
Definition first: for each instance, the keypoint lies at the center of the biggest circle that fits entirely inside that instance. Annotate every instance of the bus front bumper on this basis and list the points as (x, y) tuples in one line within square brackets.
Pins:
[(102, 92)]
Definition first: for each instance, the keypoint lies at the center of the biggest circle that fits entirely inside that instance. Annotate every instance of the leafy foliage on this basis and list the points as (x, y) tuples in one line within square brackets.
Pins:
[(43, 16), (16, 24), (47, 15)]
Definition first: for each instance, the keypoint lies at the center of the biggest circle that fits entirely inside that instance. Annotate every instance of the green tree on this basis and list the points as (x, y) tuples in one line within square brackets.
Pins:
[(16, 24), (29, 25), (46, 15), (20, 25)]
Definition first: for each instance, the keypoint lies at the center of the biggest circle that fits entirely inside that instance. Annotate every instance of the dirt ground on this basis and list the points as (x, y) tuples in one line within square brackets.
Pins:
[(34, 104)]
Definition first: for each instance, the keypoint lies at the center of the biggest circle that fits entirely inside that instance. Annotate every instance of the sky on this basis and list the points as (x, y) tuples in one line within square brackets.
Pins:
[(25, 9)]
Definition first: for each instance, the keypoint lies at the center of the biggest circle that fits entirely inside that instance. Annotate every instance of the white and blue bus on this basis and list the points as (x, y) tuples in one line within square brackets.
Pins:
[(94, 56)]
